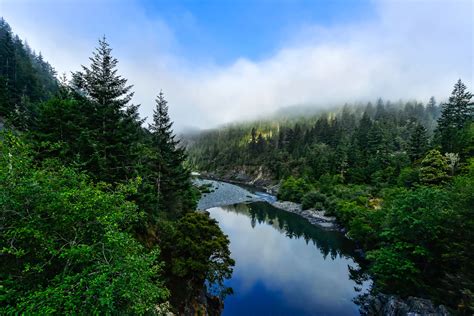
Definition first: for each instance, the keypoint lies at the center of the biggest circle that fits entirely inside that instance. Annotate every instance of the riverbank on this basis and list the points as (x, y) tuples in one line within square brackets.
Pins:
[(379, 304), (231, 193), (260, 180), (392, 305), (315, 217)]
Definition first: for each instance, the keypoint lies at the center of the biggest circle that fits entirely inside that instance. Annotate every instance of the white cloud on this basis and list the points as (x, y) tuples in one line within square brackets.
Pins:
[(410, 49)]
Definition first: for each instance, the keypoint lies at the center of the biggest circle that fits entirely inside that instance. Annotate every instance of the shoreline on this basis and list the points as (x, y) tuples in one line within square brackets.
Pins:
[(314, 217), (375, 304)]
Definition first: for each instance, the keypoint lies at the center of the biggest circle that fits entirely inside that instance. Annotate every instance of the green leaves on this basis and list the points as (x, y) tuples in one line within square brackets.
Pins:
[(293, 189), (66, 247), (434, 168), (392, 269), (199, 253)]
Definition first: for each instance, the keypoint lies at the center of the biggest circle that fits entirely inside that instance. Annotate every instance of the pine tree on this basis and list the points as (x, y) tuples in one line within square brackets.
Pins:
[(432, 108), (7, 69), (418, 143), (100, 81), (455, 115), (115, 124), (168, 176)]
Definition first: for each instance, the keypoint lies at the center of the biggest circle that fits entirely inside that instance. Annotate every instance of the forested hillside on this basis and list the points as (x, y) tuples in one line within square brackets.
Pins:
[(97, 211), (25, 78), (398, 176)]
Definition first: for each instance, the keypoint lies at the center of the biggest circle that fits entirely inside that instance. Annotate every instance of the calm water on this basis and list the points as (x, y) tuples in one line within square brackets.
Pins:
[(285, 266)]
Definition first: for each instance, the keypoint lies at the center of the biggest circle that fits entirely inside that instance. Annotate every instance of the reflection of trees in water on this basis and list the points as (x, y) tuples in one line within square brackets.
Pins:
[(293, 226)]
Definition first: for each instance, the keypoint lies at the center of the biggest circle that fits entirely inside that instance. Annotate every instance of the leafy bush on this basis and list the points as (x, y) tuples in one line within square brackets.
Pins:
[(197, 252), (408, 177), (315, 199), (67, 248), (293, 189)]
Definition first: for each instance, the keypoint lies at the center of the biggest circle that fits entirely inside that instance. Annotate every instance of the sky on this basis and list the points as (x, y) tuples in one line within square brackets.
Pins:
[(221, 61)]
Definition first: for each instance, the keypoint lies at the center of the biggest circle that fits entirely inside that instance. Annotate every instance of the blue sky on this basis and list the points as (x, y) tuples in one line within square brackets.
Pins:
[(221, 61), (227, 30)]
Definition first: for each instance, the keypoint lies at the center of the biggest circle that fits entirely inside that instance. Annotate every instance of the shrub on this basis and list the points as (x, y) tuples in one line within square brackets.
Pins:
[(67, 248), (314, 199), (293, 189)]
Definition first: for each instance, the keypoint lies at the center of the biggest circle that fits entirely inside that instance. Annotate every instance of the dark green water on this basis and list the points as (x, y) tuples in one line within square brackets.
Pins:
[(286, 266)]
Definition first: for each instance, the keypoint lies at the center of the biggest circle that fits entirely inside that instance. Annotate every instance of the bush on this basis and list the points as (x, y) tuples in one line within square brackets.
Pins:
[(315, 199), (67, 248), (197, 254), (409, 177), (293, 189)]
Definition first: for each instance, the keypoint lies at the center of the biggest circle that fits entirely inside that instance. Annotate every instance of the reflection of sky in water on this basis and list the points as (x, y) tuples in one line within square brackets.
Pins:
[(276, 275)]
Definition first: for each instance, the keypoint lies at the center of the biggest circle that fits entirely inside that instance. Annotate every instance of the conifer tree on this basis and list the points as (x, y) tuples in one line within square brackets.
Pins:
[(434, 168), (168, 176), (432, 108), (115, 124), (418, 143), (455, 115)]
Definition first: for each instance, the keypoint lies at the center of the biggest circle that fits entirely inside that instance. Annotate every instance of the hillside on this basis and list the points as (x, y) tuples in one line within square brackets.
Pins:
[(398, 176)]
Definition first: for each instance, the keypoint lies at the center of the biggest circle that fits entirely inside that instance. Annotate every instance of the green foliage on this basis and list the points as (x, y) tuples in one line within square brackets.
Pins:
[(318, 200), (456, 114), (293, 189), (25, 78), (86, 206), (425, 242), (198, 254), (434, 168), (67, 248), (167, 182), (408, 177), (418, 143), (392, 269)]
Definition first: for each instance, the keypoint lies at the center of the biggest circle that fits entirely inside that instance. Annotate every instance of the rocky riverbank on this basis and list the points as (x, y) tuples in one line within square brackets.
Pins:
[(255, 177), (222, 193), (231, 194), (392, 305), (313, 216)]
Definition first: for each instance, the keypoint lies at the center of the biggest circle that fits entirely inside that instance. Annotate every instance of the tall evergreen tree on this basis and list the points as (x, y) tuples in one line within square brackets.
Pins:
[(418, 143), (455, 115), (168, 177), (115, 122), (432, 108)]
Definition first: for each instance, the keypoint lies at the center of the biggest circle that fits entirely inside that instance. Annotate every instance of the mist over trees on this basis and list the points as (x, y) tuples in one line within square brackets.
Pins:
[(398, 176), (98, 211)]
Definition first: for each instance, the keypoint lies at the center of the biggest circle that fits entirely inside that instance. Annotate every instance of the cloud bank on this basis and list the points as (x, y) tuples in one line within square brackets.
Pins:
[(407, 50)]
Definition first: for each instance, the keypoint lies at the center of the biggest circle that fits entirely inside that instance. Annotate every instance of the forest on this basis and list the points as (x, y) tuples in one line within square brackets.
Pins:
[(98, 207), (97, 211), (398, 176)]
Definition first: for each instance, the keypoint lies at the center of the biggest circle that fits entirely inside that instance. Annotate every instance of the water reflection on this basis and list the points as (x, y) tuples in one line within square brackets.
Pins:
[(285, 266)]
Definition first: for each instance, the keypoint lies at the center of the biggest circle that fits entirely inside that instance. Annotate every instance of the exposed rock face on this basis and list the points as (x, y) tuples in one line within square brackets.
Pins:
[(392, 305)]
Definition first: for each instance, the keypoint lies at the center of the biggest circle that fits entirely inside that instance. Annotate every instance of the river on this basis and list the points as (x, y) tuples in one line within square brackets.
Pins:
[(284, 265)]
